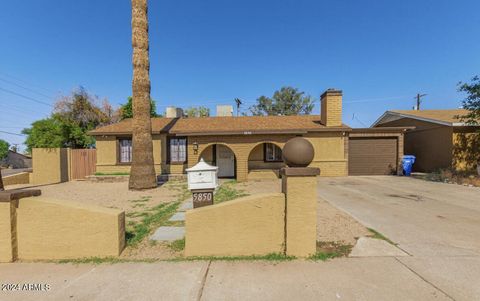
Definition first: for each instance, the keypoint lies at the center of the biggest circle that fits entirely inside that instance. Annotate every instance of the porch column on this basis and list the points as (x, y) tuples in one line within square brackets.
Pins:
[(242, 169)]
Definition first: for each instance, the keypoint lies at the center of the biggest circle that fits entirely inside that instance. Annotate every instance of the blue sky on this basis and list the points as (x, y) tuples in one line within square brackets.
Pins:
[(380, 53)]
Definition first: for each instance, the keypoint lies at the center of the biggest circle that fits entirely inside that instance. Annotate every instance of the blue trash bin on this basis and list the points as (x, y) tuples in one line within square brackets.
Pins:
[(407, 163)]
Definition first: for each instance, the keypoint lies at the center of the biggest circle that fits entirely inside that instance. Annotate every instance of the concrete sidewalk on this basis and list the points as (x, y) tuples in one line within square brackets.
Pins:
[(379, 278)]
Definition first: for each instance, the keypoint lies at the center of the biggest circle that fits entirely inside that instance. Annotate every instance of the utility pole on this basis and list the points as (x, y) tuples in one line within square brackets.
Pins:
[(238, 102), (419, 100)]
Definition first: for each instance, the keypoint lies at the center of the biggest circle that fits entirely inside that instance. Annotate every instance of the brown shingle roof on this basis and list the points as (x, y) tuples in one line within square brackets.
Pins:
[(439, 115), (225, 125), (159, 125)]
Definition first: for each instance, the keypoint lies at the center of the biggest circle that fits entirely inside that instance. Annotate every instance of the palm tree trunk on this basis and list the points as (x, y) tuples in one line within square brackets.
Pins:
[(142, 174), (2, 188)]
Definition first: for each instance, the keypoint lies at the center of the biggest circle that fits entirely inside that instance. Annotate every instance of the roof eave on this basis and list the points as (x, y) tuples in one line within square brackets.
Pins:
[(378, 121)]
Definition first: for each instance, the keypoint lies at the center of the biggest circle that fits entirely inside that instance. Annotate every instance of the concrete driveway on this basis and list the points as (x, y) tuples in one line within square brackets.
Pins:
[(437, 224)]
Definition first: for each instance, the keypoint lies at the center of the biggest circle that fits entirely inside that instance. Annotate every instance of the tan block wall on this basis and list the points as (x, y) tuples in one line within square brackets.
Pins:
[(252, 225), (466, 149), (57, 229), (7, 232), (20, 178), (107, 151), (263, 174), (329, 151), (50, 165), (301, 221), (108, 155)]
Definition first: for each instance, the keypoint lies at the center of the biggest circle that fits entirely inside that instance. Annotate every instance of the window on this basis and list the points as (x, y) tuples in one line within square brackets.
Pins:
[(178, 150), (125, 150), (273, 153)]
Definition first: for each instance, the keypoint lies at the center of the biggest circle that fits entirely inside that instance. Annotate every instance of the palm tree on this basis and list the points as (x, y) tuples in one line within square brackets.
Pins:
[(142, 174)]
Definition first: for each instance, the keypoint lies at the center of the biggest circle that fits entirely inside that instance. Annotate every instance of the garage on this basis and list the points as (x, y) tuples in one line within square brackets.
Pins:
[(372, 152)]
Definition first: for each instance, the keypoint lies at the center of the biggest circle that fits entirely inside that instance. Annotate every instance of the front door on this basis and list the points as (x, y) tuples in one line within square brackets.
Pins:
[(225, 162)]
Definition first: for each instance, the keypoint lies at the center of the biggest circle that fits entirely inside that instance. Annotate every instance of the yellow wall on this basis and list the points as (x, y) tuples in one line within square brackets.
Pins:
[(20, 178), (301, 221), (7, 242), (108, 155), (57, 229), (50, 165), (329, 149), (252, 225), (431, 144), (466, 149)]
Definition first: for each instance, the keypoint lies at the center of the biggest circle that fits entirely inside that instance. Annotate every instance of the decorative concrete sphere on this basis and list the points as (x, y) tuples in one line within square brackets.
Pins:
[(298, 152)]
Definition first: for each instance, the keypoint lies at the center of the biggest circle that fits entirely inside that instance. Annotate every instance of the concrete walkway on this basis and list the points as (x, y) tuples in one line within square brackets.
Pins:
[(342, 279), (437, 224)]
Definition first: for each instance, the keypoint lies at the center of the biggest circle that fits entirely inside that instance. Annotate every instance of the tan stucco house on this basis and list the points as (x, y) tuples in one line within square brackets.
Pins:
[(246, 147), (438, 138)]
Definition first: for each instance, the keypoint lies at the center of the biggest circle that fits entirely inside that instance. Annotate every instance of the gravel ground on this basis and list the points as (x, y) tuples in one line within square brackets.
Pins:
[(111, 195)]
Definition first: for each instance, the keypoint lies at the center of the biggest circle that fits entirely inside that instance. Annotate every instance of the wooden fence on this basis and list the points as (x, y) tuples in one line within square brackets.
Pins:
[(83, 163)]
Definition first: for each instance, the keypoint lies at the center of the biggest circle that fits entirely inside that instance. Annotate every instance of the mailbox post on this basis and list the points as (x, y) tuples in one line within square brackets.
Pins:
[(202, 181)]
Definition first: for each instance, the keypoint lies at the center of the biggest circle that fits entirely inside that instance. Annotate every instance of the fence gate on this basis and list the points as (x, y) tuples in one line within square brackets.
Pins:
[(83, 163)]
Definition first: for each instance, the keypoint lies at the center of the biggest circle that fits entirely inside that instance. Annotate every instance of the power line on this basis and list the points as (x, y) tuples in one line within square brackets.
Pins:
[(27, 83), (25, 88), (10, 133), (26, 97), (375, 99)]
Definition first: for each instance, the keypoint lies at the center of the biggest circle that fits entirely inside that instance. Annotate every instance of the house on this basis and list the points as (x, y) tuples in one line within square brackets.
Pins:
[(439, 138), (17, 160), (247, 147)]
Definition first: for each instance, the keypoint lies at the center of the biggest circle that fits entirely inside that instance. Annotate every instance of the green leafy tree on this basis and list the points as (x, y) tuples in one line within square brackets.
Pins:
[(197, 111), (48, 133), (126, 110), (286, 101), (472, 101), (4, 146), (3, 153)]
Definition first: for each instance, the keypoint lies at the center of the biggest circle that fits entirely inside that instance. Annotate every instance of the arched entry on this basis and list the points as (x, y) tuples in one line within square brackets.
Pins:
[(222, 156), (265, 158)]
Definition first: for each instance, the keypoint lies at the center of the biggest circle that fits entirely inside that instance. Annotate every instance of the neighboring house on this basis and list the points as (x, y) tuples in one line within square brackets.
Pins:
[(246, 147), (439, 139), (17, 160)]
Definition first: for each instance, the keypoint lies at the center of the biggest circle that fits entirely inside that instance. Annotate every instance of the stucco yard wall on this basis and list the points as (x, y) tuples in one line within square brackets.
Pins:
[(252, 225), (57, 229), (7, 234), (50, 165), (20, 178)]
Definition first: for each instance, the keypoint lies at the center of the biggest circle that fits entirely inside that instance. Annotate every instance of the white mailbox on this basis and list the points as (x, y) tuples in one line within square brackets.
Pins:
[(202, 176)]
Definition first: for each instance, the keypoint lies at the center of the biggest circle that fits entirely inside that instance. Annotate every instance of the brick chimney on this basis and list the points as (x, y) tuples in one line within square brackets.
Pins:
[(331, 107)]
